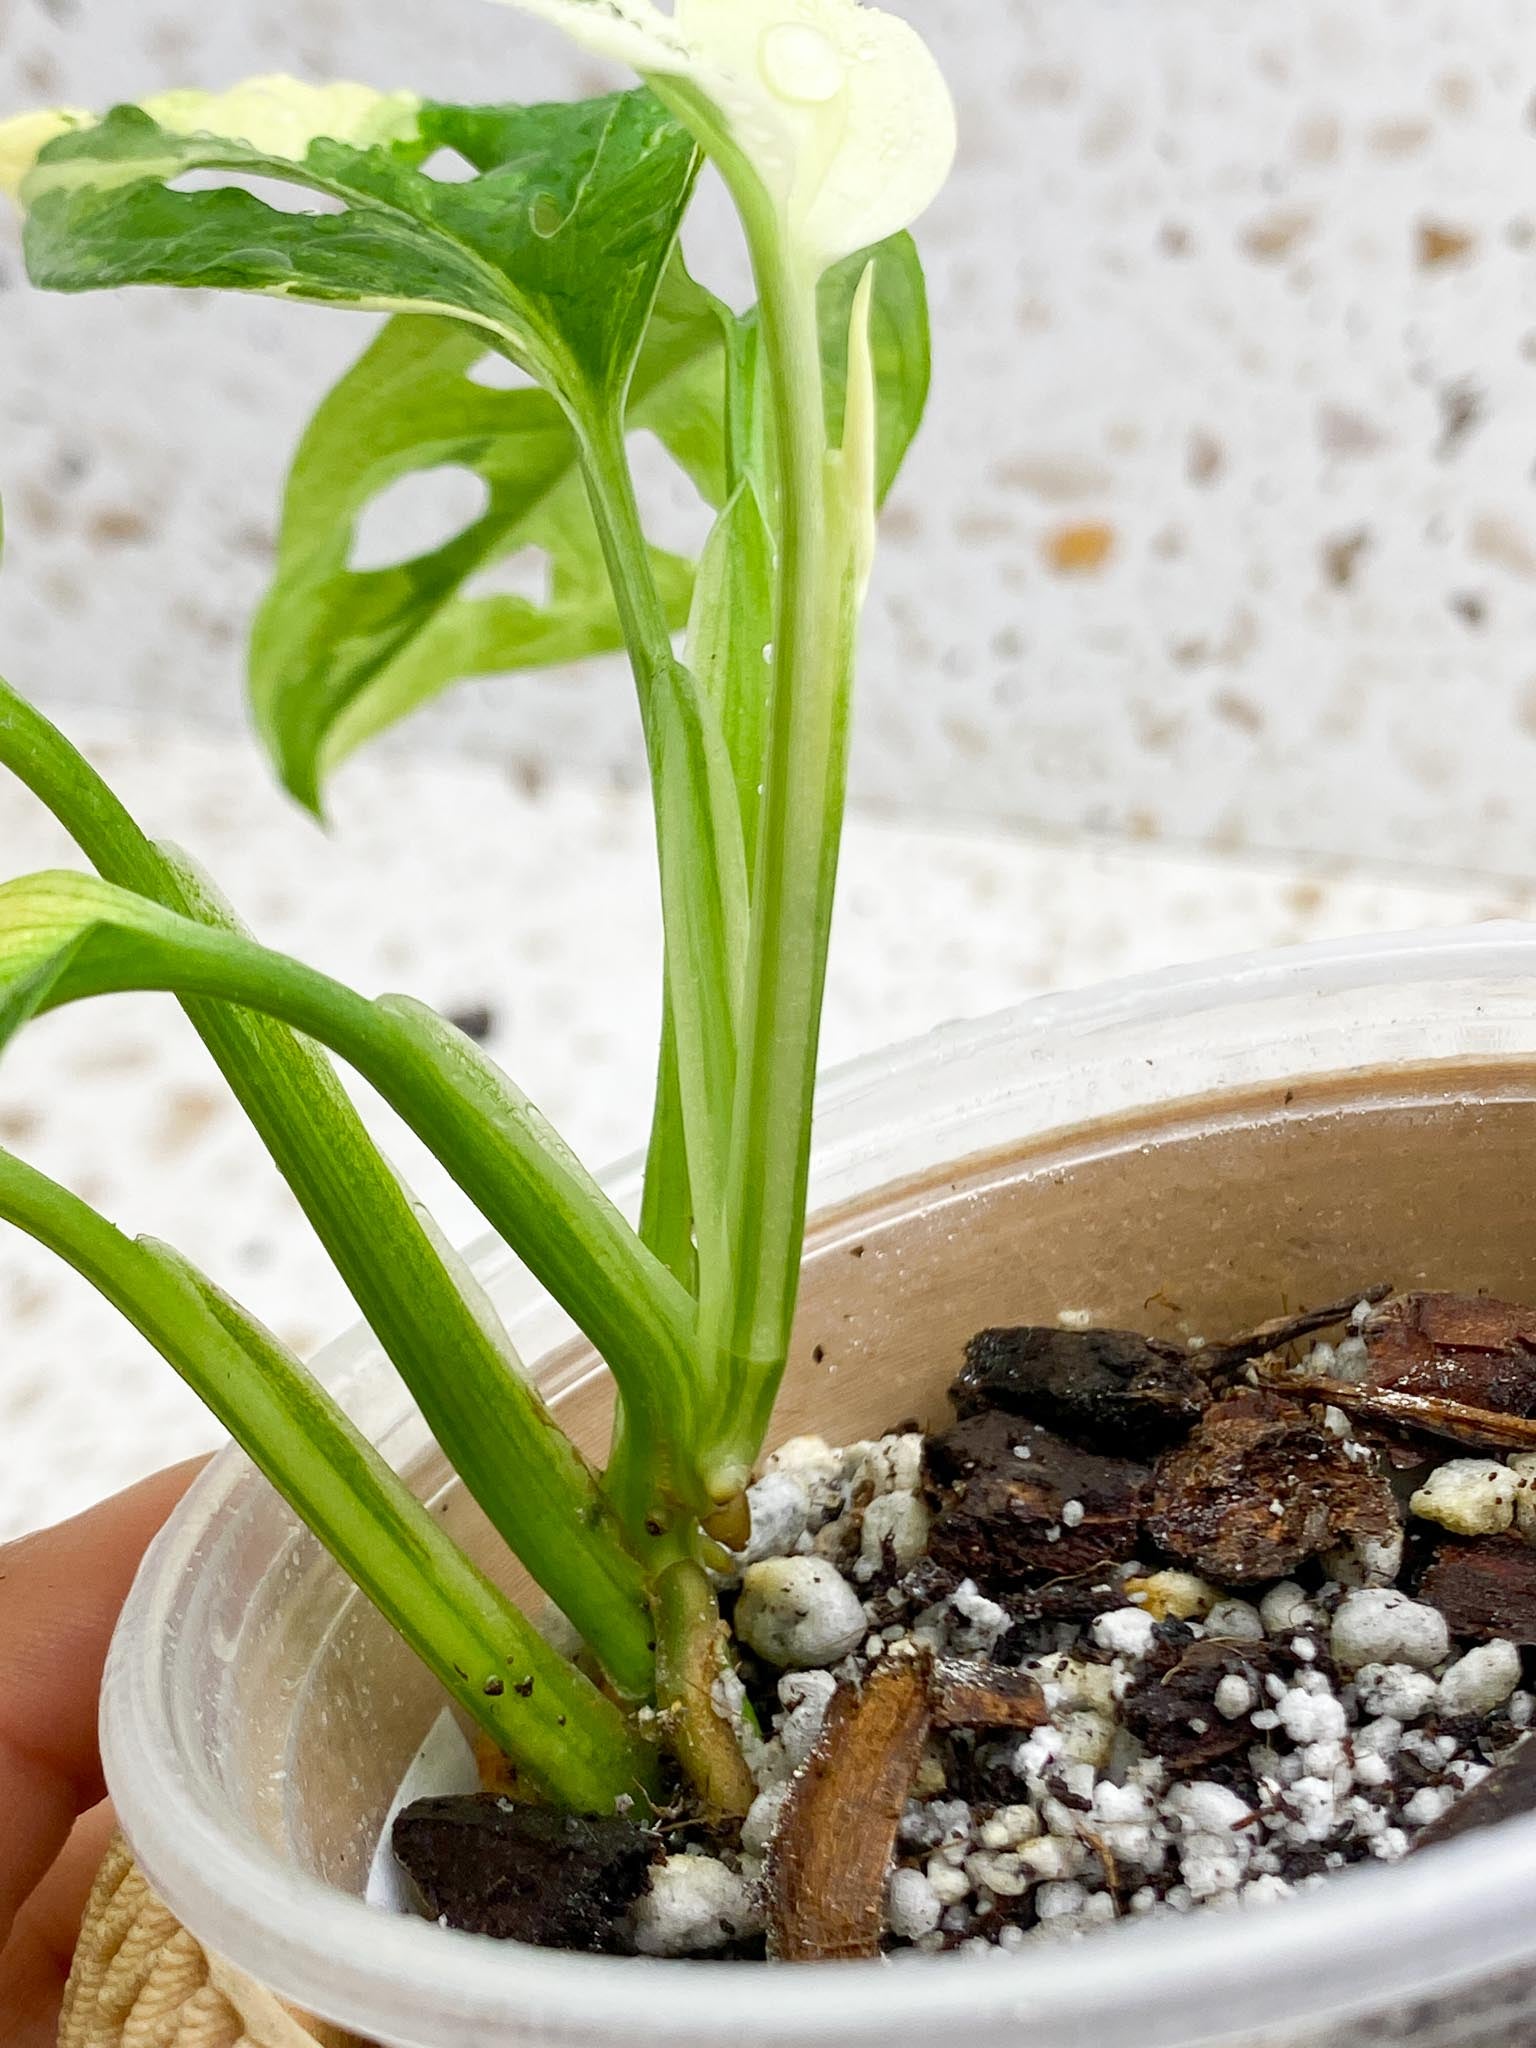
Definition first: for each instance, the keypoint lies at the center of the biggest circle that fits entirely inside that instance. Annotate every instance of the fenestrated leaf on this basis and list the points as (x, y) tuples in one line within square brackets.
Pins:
[(554, 250), (338, 654)]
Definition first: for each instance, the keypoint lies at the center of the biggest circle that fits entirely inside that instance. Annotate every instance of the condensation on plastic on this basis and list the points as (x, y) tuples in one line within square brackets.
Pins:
[(1436, 1951)]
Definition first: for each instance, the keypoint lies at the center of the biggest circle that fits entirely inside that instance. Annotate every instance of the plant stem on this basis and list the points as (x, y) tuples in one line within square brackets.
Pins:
[(574, 1745), (797, 848), (691, 1660), (703, 873)]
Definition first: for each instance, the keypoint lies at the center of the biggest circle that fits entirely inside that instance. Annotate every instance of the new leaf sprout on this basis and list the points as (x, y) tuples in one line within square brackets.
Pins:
[(831, 128)]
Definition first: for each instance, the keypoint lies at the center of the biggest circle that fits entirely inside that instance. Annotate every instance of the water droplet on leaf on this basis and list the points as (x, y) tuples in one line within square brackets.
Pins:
[(800, 63)]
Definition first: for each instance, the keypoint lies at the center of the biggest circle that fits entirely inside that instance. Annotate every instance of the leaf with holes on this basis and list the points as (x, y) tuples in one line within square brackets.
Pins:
[(338, 653), (553, 249)]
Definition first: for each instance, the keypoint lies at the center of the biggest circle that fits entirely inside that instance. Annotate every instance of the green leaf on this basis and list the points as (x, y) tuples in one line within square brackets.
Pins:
[(339, 654), (899, 348), (571, 1742), (554, 250)]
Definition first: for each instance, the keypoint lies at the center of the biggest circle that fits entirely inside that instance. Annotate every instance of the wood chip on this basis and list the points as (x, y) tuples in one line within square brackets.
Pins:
[(1468, 1349), (1111, 1389), (1482, 1428), (981, 1695), (1014, 1502), (1485, 1588), (1260, 1487), (831, 1853)]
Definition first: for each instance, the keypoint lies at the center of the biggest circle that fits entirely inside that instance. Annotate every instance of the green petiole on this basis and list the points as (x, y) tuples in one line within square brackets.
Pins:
[(574, 1744)]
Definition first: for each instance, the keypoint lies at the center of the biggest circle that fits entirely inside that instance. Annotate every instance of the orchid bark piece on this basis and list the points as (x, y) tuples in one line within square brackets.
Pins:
[(831, 1853)]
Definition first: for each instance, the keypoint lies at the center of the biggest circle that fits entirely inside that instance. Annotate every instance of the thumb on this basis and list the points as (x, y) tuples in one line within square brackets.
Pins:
[(60, 1592)]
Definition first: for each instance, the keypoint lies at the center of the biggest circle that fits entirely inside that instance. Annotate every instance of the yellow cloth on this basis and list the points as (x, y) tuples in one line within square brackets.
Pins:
[(139, 1980)]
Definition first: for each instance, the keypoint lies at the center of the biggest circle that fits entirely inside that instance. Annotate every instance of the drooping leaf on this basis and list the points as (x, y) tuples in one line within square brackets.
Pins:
[(339, 654), (66, 936), (554, 249)]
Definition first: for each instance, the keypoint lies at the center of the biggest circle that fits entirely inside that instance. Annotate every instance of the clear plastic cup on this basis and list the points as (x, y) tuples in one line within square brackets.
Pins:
[(1262, 1129)]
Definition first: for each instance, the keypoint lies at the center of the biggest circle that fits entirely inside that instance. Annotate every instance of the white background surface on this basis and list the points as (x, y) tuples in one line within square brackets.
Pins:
[(1180, 292)]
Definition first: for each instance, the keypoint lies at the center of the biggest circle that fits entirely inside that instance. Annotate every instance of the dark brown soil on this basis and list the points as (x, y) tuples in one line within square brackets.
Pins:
[(1001, 1487), (524, 1873), (1081, 1467)]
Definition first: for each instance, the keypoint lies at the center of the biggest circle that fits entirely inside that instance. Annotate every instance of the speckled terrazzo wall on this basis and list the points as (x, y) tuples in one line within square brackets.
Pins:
[(1223, 529)]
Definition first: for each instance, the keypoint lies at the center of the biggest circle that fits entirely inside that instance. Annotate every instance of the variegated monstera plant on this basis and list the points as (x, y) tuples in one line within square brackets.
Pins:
[(555, 248)]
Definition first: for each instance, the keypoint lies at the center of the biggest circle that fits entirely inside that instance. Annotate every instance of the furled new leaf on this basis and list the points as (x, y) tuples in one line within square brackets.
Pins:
[(728, 641), (898, 343)]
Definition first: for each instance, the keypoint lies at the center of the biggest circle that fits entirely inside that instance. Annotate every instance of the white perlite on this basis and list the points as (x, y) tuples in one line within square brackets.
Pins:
[(694, 1902), (1366, 1560), (975, 1622), (1469, 1496), (1285, 1608), (1310, 1717), (894, 1531), (762, 1818), (912, 1906), (1234, 1697), (805, 1697), (1125, 1631), (1395, 1689), (1374, 1625), (1481, 1680), (798, 1612), (1235, 1621), (780, 1507)]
